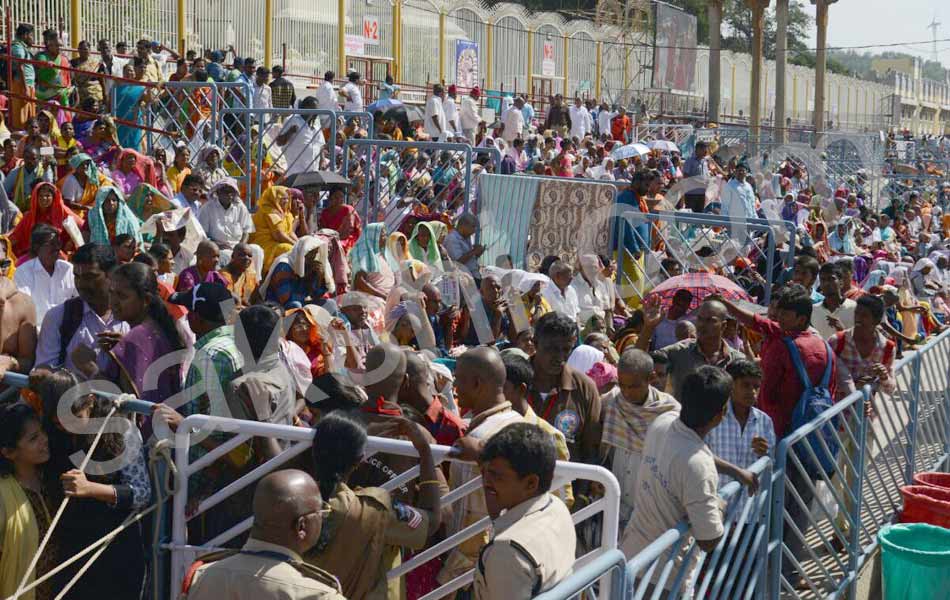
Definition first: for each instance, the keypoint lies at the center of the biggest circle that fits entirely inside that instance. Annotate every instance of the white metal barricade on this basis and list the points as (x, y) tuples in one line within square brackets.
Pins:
[(300, 438)]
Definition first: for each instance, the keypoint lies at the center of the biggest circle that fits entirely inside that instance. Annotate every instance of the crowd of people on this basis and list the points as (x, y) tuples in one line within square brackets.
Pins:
[(153, 277)]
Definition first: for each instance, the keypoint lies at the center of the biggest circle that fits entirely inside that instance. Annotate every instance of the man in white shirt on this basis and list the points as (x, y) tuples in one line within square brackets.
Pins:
[(480, 379), (604, 116), (301, 140), (190, 194), (580, 120), (834, 310), (459, 246), (46, 279), (513, 121), (262, 92), (326, 95), (435, 124), (227, 222), (450, 108), (470, 117), (677, 479), (82, 318), (561, 296), (353, 97)]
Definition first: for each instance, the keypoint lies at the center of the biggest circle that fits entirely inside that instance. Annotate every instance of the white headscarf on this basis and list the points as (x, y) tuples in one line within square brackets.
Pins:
[(584, 357), (297, 259)]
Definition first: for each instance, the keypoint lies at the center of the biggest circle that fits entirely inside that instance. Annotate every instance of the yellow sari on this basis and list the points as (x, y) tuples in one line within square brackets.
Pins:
[(273, 215)]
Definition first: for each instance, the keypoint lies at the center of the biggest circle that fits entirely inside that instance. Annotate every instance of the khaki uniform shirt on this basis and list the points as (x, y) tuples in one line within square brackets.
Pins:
[(361, 538), (262, 571), (532, 550)]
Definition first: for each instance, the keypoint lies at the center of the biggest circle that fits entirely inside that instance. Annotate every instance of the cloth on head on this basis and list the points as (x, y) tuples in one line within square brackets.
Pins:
[(626, 423), (603, 373), (52, 216), (297, 259), (228, 182), (430, 254), (364, 257), (125, 220), (138, 201), (584, 357), (397, 250), (202, 157), (173, 220)]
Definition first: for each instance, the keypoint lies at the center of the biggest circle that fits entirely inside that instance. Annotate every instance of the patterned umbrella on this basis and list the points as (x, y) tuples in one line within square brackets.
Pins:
[(701, 285)]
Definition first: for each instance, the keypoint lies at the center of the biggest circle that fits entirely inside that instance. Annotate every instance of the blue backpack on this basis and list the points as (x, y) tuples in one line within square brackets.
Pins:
[(815, 399)]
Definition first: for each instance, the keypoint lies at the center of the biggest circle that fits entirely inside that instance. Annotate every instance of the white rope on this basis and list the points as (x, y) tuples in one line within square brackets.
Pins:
[(104, 543), (62, 506)]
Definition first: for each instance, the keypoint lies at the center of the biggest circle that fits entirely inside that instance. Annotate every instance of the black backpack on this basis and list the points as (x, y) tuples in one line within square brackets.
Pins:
[(73, 310)]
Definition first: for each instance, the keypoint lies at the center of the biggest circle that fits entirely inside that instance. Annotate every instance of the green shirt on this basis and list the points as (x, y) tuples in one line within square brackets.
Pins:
[(20, 50), (217, 361)]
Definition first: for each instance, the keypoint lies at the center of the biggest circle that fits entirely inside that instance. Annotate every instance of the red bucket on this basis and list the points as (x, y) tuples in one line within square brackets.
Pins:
[(933, 479), (925, 504)]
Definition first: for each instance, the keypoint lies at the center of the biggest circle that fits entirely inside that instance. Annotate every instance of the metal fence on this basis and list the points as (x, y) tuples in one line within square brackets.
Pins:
[(298, 441), (700, 242), (822, 524), (394, 176)]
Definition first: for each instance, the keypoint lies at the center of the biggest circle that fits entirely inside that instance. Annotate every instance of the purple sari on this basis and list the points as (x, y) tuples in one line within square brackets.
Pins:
[(138, 353)]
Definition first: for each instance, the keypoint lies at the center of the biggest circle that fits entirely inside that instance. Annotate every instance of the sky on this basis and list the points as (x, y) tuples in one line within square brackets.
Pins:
[(865, 22)]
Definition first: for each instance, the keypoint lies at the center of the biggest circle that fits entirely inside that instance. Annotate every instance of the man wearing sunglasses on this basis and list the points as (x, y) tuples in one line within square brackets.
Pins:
[(288, 518)]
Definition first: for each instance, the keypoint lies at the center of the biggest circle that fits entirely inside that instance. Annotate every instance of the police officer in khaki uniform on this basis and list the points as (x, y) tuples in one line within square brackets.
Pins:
[(288, 513), (366, 528), (533, 542)]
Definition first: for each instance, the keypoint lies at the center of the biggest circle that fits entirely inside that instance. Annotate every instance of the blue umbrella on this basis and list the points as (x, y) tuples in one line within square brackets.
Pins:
[(383, 105)]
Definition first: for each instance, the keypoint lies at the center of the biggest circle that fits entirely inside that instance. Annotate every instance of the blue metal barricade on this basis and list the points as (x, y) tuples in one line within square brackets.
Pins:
[(675, 566), (698, 242), (394, 174)]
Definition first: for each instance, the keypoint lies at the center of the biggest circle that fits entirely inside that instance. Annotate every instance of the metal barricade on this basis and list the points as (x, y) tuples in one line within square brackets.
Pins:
[(815, 534), (300, 439), (734, 569), (686, 236), (581, 582), (394, 174), (256, 135)]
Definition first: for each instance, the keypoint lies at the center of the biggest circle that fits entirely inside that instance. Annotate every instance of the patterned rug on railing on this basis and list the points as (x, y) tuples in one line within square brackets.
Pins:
[(528, 218)]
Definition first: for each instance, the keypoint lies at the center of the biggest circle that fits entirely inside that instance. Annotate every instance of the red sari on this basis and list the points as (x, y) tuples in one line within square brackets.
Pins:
[(52, 216), (344, 220)]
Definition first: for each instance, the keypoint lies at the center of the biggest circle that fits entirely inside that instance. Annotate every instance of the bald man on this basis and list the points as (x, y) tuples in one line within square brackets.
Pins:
[(384, 375), (288, 518), (205, 269), (480, 381)]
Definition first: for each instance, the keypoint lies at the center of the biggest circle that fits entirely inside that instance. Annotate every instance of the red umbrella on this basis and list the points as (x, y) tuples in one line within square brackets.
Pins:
[(700, 285)]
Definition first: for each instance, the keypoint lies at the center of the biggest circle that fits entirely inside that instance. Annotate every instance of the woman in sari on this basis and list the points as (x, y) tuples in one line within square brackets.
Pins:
[(111, 217), (147, 200), (103, 144), (301, 276), (80, 187), (53, 82), (304, 331), (7, 258), (424, 243), (24, 502), (208, 166), (342, 218), (371, 273), (181, 168), (274, 225), (131, 170), (128, 106), (397, 251), (46, 206)]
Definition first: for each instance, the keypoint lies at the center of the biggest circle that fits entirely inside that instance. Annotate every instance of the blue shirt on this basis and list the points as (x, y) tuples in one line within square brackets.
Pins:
[(733, 443)]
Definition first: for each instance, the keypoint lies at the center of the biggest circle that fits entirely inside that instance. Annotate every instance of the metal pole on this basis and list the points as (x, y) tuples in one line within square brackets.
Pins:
[(488, 54), (821, 19), (75, 13), (341, 37), (441, 47), (181, 27), (565, 65), (397, 39), (715, 70), (530, 59), (598, 66), (268, 33)]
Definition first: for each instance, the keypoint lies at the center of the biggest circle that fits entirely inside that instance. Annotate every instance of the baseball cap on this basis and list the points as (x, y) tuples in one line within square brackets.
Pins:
[(204, 299)]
